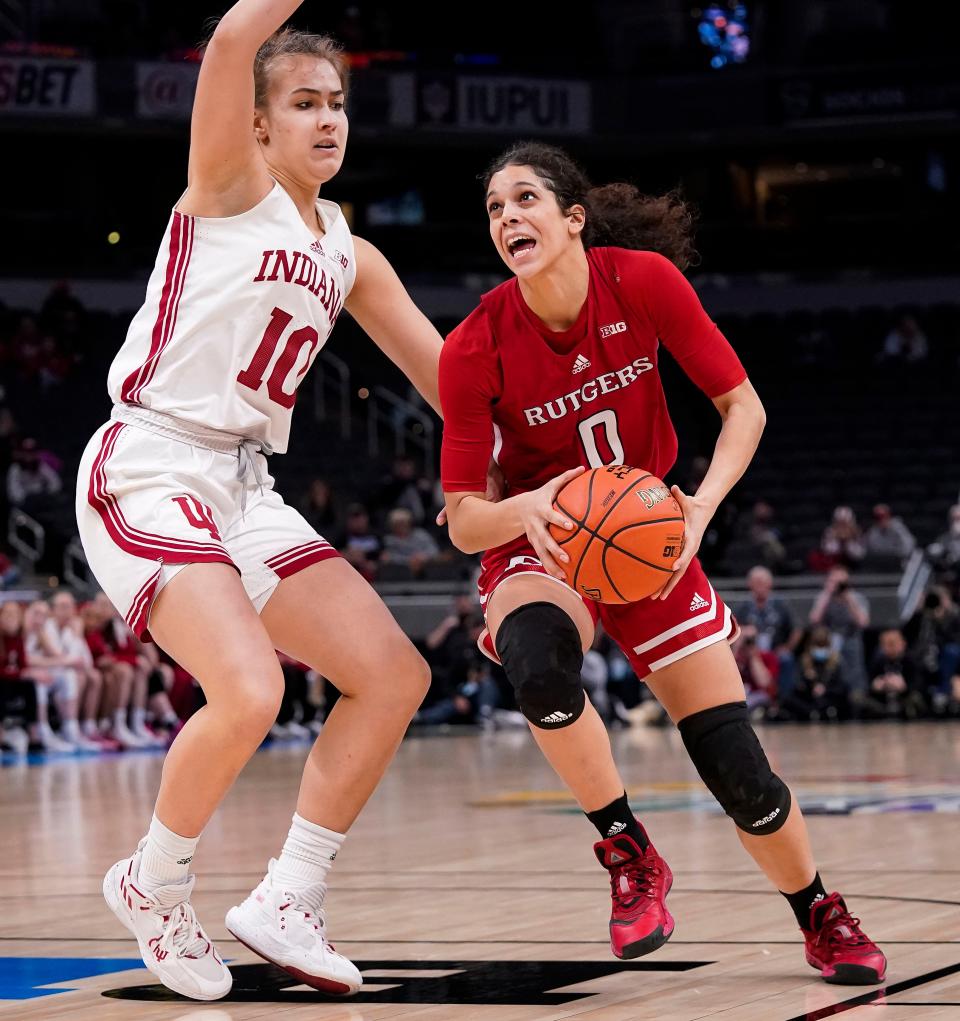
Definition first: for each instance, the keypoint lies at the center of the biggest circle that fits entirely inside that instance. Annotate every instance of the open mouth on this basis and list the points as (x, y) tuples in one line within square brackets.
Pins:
[(325, 145), (520, 246)]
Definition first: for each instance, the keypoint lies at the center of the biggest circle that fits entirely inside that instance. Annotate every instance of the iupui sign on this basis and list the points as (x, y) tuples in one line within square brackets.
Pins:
[(44, 86), (529, 105), (165, 90)]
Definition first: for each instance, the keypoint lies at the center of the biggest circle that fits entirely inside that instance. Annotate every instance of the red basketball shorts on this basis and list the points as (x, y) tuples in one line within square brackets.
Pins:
[(652, 633)]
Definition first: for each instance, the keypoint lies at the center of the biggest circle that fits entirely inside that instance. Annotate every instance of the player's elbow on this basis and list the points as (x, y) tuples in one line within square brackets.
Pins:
[(461, 537)]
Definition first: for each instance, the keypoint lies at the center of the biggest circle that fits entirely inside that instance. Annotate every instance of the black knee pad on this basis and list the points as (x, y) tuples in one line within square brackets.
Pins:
[(539, 647), (722, 745)]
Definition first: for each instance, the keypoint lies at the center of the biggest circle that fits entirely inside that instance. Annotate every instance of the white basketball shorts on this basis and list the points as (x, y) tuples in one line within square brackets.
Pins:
[(149, 503)]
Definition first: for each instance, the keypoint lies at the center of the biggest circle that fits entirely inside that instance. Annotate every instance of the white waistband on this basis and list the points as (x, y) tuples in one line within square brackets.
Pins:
[(177, 428), (241, 447)]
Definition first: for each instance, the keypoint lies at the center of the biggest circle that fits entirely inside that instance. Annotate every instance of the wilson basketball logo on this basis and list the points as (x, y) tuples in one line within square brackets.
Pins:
[(652, 496), (611, 328)]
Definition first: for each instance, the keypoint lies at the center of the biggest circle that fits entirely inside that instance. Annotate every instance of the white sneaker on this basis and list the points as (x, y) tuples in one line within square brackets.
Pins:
[(127, 738), (147, 736), (52, 742), (172, 943), (287, 928), (16, 739)]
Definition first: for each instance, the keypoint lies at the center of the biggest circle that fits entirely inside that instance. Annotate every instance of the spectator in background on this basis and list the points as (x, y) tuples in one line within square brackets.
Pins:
[(406, 544), (771, 618), (945, 550), (766, 537), (296, 718), (130, 665), (906, 342), (29, 478), (58, 676), (820, 690), (361, 546), (404, 487), (846, 613), (758, 670), (933, 635), (64, 630), (888, 536), (18, 692), (894, 681), (842, 542), (320, 509), (9, 572)]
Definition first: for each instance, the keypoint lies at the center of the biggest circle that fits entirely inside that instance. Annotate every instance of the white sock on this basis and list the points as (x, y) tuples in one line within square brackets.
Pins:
[(119, 719), (166, 856), (70, 730), (307, 854), (89, 728), (138, 718)]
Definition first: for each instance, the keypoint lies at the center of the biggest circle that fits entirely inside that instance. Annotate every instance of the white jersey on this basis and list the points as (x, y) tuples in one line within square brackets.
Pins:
[(237, 308)]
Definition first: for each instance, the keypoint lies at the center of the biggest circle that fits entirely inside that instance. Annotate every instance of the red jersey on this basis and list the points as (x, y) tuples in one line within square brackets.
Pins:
[(13, 657), (543, 402)]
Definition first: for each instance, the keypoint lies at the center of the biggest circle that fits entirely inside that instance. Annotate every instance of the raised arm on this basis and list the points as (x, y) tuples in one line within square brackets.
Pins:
[(386, 313), (226, 174)]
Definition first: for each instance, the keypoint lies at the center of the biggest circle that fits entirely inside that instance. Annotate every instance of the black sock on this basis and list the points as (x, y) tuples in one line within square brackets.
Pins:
[(803, 900), (617, 818)]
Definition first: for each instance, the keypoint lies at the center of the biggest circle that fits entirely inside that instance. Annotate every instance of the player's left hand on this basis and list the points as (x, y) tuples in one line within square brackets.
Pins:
[(696, 517)]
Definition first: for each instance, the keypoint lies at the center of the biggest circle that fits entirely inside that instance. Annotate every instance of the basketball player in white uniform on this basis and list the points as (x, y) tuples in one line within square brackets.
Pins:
[(179, 518)]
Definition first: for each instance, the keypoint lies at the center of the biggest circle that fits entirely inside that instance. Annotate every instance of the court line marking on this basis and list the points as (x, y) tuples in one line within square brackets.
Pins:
[(876, 995)]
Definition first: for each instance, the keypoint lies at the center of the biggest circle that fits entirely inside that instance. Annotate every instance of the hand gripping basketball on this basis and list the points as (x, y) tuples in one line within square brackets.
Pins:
[(542, 522), (629, 533)]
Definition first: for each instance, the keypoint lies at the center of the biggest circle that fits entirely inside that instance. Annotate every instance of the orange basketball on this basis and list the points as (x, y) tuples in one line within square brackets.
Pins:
[(628, 532)]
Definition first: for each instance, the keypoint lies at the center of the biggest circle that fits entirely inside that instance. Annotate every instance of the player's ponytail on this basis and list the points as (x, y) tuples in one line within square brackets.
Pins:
[(617, 214)]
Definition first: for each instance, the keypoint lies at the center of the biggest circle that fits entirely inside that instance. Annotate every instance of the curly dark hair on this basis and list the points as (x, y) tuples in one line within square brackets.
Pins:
[(617, 214)]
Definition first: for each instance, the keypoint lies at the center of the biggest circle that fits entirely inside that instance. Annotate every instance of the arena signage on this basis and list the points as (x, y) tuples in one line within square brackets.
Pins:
[(39, 86), (529, 105), (165, 90)]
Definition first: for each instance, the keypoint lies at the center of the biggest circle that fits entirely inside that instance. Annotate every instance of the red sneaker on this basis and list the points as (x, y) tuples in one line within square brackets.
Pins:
[(639, 883), (837, 945)]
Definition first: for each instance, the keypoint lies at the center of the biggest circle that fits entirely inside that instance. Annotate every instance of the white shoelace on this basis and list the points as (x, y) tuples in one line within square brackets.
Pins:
[(183, 934)]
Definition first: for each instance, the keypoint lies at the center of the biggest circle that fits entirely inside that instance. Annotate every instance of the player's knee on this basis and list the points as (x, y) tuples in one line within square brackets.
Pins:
[(724, 748), (253, 702), (540, 649)]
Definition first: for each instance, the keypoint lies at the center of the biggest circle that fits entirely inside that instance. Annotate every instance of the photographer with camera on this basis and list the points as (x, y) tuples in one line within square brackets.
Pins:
[(846, 613), (820, 692), (933, 634)]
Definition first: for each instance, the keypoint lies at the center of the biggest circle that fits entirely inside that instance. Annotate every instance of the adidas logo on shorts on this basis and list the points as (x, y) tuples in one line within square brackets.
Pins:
[(580, 364), (698, 602), (556, 717)]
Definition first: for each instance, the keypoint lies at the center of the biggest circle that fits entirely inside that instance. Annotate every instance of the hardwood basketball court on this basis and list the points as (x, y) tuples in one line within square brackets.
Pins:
[(468, 888)]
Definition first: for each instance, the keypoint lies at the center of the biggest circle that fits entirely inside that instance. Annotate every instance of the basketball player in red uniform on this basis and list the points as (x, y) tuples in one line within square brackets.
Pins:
[(556, 370), (183, 528)]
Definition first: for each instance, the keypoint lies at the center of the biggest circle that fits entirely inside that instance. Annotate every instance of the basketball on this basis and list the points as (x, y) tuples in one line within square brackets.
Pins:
[(628, 533)]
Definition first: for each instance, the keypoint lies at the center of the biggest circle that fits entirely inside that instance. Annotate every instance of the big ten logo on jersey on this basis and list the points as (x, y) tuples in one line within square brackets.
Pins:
[(612, 328), (198, 514), (298, 268)]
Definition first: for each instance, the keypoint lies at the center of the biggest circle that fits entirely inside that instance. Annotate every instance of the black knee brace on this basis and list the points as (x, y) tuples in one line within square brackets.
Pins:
[(539, 647), (722, 745)]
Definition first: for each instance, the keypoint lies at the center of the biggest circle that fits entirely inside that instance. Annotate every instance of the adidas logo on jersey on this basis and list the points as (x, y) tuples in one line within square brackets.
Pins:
[(556, 717), (617, 827), (580, 364), (698, 602), (317, 246)]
